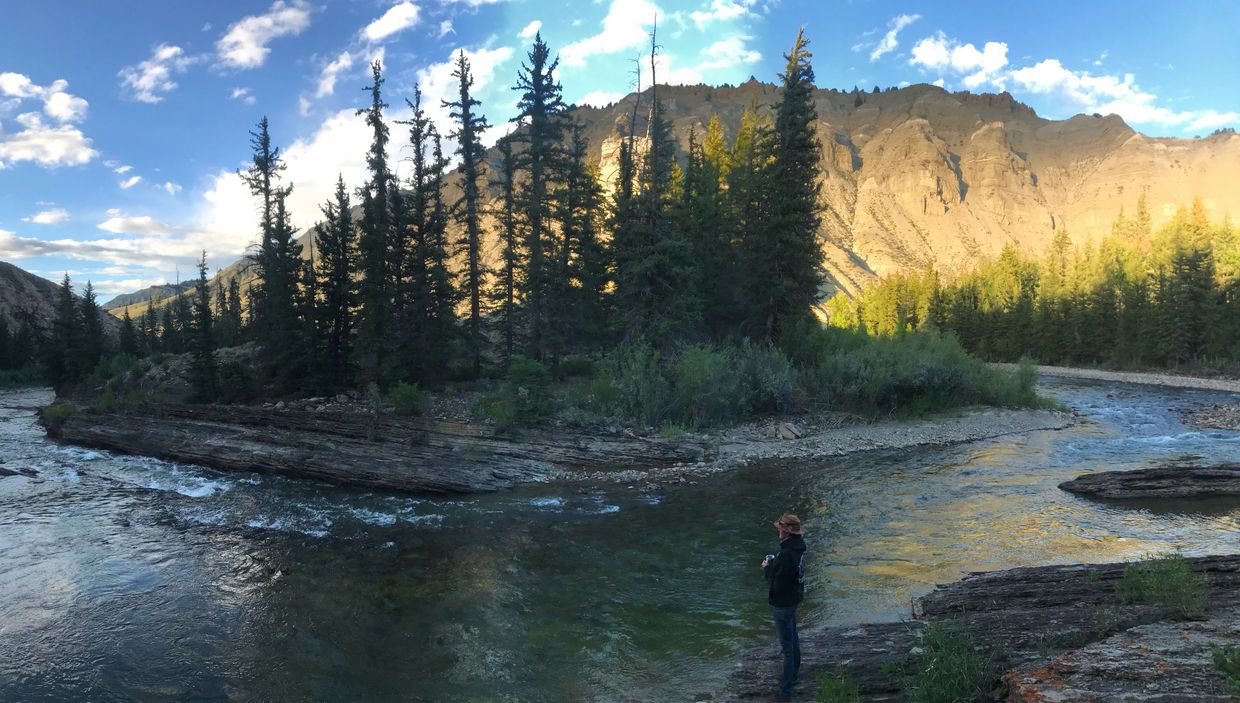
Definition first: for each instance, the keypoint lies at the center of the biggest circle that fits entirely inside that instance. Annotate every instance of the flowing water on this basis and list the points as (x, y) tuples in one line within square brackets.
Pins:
[(125, 578)]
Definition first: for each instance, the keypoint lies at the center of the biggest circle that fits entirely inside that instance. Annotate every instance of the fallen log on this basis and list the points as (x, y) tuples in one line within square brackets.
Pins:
[(1015, 616), (408, 454), (1166, 482)]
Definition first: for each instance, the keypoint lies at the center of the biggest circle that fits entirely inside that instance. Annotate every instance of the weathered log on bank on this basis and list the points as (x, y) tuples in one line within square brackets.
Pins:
[(1015, 616), (408, 454), (1169, 482)]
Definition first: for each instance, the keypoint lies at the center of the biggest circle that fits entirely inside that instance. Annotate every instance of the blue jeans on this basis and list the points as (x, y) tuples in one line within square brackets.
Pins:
[(786, 630)]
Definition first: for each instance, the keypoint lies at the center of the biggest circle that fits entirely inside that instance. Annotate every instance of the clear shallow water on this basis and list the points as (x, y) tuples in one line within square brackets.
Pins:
[(125, 578)]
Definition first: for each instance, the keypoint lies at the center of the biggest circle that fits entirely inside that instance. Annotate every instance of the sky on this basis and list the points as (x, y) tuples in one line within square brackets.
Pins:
[(123, 123)]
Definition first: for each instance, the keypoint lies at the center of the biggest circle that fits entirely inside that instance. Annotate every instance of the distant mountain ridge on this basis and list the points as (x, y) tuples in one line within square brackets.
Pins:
[(25, 294), (918, 175), (165, 290)]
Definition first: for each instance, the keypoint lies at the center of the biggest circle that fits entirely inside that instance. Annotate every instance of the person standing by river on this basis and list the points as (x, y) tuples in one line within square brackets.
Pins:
[(785, 576)]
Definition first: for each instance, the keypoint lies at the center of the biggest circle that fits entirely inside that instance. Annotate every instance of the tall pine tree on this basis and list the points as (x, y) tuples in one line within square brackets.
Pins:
[(337, 251)]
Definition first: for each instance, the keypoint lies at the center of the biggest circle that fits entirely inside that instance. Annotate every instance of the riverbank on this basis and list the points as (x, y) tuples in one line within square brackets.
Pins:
[(434, 456), (1045, 631), (1165, 379)]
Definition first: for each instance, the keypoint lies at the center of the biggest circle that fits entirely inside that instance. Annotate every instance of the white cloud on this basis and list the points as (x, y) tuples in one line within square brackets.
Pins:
[(530, 30), (327, 79), (47, 146), (171, 188), (130, 182), (243, 94), (721, 10), (727, 53), (445, 28), (141, 224), (148, 80), (18, 86), (1107, 94), (48, 217), (626, 26), (244, 45), (600, 98), (889, 42), (303, 106), (62, 106), (121, 170), (58, 104), (941, 53), (398, 18)]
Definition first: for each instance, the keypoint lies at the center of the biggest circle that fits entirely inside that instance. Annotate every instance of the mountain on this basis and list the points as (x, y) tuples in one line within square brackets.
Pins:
[(165, 290), (919, 175), (23, 293)]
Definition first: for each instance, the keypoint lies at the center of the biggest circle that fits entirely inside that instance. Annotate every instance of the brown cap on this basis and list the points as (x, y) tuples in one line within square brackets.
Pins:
[(790, 524)]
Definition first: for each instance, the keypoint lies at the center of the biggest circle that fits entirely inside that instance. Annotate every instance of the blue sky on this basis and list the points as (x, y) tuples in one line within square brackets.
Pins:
[(122, 122)]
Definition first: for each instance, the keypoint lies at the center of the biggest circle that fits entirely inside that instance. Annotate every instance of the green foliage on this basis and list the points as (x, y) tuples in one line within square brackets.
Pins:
[(948, 668), (1168, 582), (633, 385), (1227, 660), (525, 397), (55, 415), (406, 399), (671, 431), (1138, 297), (237, 383), (106, 402), (837, 687)]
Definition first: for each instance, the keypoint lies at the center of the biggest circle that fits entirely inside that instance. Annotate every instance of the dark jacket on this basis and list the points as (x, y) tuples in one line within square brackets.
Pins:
[(786, 573)]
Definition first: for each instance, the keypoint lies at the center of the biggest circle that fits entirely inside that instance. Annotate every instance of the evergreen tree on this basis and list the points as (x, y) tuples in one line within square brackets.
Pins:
[(784, 256), (128, 340), (7, 358), (203, 375), (579, 312), (504, 294), (234, 313), (277, 261), (541, 114), (470, 124), (337, 267), (150, 328), (91, 342), (62, 363), (707, 227)]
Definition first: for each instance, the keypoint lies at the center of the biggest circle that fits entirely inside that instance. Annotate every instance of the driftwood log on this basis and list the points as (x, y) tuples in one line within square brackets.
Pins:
[(408, 454), (1167, 482), (1016, 616)]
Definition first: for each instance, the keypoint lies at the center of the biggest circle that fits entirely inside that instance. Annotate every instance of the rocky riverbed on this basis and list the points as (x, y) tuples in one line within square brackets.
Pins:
[(1050, 627), (349, 447), (1162, 482)]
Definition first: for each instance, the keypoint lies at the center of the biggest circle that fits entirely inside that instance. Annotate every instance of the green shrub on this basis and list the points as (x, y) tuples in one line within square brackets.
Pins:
[(58, 412), (671, 431), (106, 402), (406, 399), (576, 367), (525, 397), (236, 383), (768, 379), (948, 669), (1167, 582), (837, 687), (1227, 659), (638, 388), (705, 388)]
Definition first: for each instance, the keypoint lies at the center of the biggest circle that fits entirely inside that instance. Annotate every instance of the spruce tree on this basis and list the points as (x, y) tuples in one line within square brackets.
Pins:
[(509, 278), (470, 124), (707, 228), (337, 251), (150, 328), (374, 290), (128, 339), (91, 342), (61, 362), (541, 118), (579, 315), (784, 256), (203, 374), (277, 261)]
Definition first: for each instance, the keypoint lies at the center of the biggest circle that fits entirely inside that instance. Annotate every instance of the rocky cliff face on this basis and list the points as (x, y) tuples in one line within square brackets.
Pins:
[(23, 293), (918, 175)]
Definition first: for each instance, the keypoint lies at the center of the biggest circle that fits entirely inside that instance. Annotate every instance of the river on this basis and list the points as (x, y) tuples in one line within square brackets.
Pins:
[(126, 578)]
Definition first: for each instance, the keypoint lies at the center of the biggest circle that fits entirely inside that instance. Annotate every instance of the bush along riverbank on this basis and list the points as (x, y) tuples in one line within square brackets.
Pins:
[(636, 408), (1161, 628)]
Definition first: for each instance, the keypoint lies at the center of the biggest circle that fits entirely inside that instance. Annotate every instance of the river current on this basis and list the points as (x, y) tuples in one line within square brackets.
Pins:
[(127, 578)]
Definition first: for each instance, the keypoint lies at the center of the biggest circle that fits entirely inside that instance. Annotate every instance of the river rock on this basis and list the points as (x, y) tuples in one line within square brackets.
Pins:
[(1156, 662), (409, 454), (790, 430), (1161, 482), (1015, 616)]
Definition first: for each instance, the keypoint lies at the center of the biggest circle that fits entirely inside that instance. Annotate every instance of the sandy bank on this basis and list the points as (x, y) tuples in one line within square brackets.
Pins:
[(1169, 380)]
